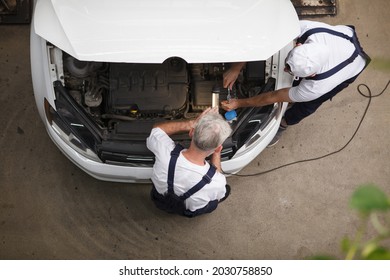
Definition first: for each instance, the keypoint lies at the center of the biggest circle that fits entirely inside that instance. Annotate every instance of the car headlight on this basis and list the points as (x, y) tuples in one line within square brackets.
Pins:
[(70, 130)]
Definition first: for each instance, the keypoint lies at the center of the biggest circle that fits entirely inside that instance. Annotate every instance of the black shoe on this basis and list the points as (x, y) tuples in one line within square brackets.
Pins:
[(228, 190), (277, 136)]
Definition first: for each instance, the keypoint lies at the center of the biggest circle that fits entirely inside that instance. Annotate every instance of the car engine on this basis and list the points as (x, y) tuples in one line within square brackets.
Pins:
[(120, 102), (112, 92)]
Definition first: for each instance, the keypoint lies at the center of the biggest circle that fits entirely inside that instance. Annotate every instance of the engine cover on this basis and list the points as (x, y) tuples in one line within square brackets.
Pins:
[(158, 88)]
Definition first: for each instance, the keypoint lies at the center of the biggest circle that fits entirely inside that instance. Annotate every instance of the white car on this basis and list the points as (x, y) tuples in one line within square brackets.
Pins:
[(105, 71)]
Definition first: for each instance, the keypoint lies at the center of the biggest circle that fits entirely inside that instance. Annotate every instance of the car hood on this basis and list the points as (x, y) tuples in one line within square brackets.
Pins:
[(150, 31)]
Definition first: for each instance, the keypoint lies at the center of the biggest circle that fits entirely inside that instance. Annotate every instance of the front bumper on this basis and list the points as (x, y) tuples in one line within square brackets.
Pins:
[(131, 174)]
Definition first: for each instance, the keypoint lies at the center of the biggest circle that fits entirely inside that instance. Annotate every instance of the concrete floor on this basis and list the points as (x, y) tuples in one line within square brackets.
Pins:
[(49, 209)]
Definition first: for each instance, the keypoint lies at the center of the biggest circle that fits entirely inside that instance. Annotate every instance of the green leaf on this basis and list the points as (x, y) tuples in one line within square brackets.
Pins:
[(368, 198), (369, 249), (345, 244), (379, 254)]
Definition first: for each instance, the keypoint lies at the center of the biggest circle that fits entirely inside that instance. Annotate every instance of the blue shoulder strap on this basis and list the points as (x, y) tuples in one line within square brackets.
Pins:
[(354, 40), (206, 179), (172, 165), (310, 32)]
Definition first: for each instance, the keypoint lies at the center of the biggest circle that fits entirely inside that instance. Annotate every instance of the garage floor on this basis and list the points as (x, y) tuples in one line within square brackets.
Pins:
[(49, 209)]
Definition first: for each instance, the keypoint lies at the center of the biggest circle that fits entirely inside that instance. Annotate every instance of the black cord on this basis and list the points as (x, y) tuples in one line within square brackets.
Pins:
[(369, 96)]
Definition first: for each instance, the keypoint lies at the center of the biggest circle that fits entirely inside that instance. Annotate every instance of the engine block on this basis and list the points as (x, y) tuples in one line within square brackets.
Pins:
[(155, 88)]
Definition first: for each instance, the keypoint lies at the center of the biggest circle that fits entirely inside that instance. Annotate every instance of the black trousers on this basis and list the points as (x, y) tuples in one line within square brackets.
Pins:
[(300, 110)]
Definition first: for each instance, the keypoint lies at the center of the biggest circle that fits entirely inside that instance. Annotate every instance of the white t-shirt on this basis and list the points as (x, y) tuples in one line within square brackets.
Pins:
[(187, 174), (340, 50)]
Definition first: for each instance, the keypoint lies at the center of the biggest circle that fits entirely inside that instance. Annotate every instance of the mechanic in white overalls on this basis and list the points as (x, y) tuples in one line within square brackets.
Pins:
[(325, 60), (184, 182)]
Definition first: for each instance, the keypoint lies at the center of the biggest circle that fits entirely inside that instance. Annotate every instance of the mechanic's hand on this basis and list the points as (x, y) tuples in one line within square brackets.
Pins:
[(229, 105), (230, 77), (209, 110)]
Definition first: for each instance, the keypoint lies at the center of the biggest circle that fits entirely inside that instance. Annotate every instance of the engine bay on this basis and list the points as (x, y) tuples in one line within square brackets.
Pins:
[(126, 99), (113, 106)]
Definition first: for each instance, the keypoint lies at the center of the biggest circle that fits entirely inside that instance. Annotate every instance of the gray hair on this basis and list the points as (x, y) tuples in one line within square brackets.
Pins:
[(210, 132)]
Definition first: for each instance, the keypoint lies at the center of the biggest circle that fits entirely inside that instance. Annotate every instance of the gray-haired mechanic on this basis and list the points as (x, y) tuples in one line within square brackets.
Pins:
[(183, 181), (325, 60)]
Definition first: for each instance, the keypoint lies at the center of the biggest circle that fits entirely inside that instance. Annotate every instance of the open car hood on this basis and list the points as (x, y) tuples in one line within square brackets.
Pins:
[(150, 31)]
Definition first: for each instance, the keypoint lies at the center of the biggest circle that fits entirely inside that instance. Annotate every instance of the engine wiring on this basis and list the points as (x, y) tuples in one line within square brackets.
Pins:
[(369, 96)]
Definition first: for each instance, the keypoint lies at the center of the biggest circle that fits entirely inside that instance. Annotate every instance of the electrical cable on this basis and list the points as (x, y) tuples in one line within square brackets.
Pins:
[(369, 96)]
